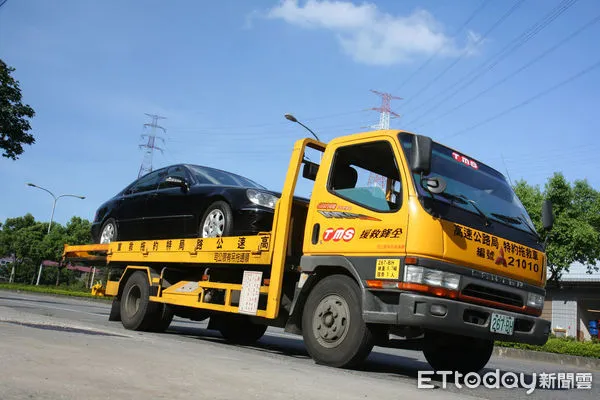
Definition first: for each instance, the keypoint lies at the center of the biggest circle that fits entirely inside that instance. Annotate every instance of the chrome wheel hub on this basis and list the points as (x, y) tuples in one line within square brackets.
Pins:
[(214, 225), (107, 234)]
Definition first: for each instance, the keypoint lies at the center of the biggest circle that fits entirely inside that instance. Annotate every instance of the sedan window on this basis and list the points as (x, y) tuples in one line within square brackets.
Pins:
[(212, 176), (177, 171), (146, 183)]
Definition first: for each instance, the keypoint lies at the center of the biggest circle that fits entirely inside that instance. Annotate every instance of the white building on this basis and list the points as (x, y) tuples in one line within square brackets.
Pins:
[(575, 302)]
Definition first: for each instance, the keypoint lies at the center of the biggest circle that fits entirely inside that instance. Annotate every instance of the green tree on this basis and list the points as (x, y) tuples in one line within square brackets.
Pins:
[(575, 236), (14, 126), (30, 243)]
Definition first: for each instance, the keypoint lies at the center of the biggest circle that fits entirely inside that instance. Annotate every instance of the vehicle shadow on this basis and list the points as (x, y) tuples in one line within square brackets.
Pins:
[(379, 362)]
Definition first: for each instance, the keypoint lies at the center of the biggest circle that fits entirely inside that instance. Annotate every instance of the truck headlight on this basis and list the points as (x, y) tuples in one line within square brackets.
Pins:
[(262, 198), (535, 300), (431, 277)]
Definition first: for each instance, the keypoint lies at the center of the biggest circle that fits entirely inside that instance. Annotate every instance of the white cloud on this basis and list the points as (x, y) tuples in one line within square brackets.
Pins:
[(370, 36)]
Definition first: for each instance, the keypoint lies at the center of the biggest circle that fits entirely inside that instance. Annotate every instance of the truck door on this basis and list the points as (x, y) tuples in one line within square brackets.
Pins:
[(359, 201)]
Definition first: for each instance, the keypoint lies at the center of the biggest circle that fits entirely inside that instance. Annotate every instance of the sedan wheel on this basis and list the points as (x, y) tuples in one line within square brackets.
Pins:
[(214, 224), (109, 231), (217, 221)]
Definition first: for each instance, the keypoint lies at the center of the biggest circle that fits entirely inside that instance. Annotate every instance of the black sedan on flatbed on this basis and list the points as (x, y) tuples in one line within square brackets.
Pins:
[(183, 201)]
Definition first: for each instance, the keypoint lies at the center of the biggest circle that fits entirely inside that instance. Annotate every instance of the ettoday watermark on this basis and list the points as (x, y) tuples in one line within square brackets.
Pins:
[(507, 380)]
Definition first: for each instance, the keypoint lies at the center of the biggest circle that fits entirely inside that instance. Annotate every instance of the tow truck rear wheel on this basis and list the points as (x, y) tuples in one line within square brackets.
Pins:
[(138, 313), (447, 352), (115, 310), (239, 329), (333, 329)]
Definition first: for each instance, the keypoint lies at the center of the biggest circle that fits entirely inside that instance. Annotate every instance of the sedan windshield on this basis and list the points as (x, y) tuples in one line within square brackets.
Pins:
[(471, 182), (212, 176)]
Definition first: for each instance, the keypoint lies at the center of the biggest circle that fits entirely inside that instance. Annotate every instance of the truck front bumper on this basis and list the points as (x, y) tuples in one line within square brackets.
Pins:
[(450, 316)]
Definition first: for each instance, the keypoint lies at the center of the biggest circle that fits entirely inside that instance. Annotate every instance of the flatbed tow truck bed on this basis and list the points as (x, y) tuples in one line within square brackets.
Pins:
[(187, 253)]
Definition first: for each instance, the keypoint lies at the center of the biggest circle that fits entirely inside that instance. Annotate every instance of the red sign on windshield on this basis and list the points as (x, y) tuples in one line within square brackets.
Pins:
[(465, 160)]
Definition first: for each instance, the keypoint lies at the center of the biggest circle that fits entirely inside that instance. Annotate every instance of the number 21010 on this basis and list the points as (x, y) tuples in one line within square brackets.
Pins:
[(518, 262)]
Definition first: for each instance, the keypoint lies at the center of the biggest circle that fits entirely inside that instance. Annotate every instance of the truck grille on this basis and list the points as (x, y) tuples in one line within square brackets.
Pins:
[(499, 296)]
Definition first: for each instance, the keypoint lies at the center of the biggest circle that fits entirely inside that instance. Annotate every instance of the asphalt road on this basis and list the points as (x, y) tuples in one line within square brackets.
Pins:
[(65, 348)]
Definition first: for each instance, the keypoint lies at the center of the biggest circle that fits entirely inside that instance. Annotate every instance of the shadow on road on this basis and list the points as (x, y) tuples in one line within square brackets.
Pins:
[(379, 362)]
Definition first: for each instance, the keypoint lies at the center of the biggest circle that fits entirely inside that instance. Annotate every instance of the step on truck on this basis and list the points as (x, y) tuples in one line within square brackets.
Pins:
[(402, 238)]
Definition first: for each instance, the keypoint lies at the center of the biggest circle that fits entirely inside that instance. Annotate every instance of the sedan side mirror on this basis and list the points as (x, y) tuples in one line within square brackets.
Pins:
[(173, 181), (547, 215)]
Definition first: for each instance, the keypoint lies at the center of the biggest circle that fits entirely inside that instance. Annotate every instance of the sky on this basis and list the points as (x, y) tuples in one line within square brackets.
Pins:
[(514, 84)]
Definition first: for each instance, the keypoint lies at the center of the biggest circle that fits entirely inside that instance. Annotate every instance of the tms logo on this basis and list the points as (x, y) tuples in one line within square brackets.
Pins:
[(465, 160), (338, 234)]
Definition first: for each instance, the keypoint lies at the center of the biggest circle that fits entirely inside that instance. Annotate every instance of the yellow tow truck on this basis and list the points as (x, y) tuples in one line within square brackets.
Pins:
[(402, 237)]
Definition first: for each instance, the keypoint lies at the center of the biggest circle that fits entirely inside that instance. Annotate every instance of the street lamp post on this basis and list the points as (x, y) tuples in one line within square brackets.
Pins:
[(52, 216)]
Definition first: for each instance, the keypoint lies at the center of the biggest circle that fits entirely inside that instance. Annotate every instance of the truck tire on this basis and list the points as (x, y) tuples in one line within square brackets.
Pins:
[(333, 329), (115, 310), (239, 329), (138, 313), (447, 352), (162, 320)]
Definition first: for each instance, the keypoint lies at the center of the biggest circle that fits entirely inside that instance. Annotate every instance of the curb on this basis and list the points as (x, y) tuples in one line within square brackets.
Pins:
[(562, 359), (89, 298)]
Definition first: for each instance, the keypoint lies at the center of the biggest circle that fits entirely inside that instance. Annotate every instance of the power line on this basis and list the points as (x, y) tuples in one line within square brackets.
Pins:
[(514, 45), (439, 49), (466, 51), (514, 73), (233, 128), (529, 100), (2, 2), (276, 134)]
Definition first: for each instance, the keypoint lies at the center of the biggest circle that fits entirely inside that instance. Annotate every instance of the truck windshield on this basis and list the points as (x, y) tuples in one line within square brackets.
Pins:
[(470, 179)]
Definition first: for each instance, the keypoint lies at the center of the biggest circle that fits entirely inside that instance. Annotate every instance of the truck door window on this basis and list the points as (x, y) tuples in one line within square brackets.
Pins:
[(367, 174)]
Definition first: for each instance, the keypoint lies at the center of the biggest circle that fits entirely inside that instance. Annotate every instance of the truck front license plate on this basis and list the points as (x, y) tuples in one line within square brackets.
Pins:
[(503, 324)]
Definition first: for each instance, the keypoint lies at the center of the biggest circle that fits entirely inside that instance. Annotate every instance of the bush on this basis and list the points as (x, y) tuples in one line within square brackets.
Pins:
[(72, 290), (566, 345)]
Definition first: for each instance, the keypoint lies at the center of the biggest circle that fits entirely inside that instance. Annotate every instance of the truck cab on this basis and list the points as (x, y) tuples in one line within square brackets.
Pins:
[(438, 242)]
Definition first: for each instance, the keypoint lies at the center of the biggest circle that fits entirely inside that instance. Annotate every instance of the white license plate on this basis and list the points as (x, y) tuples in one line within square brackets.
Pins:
[(503, 324)]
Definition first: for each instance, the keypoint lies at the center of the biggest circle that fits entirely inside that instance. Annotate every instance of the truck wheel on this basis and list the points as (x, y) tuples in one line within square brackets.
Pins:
[(447, 352), (138, 313), (162, 319), (115, 310), (239, 329), (333, 329), (217, 220)]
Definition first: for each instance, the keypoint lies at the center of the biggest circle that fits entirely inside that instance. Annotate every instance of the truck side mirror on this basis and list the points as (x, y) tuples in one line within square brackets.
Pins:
[(310, 170), (421, 154), (547, 215)]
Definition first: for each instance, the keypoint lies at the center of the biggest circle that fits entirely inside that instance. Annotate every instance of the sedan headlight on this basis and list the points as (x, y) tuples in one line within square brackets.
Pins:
[(535, 300), (262, 198), (431, 277)]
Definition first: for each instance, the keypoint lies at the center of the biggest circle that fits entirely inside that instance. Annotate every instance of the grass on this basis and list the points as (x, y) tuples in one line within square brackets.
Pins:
[(63, 291), (557, 345)]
